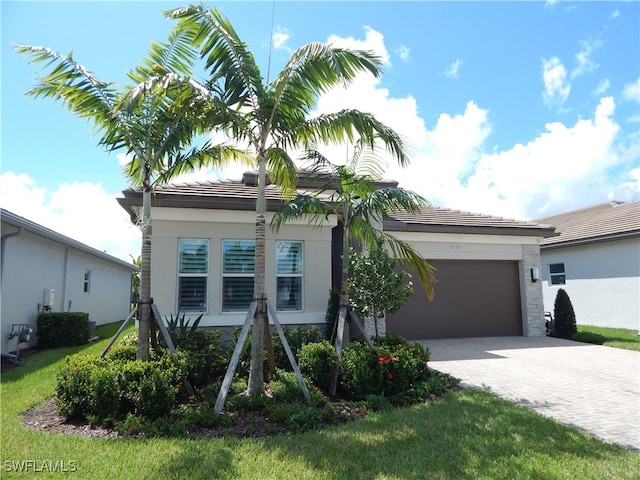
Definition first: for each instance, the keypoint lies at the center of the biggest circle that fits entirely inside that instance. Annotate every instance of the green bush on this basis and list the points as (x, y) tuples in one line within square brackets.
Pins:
[(317, 361), (105, 391), (564, 325), (395, 366), (62, 329)]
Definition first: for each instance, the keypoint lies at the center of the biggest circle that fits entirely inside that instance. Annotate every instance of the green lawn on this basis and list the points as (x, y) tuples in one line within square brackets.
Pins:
[(467, 435), (610, 337)]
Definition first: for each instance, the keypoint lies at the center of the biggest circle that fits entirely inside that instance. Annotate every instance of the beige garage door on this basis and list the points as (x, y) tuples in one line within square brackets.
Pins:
[(472, 299)]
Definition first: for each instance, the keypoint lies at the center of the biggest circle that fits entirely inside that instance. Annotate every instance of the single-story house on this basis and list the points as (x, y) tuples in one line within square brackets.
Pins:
[(596, 260), (43, 270), (203, 247)]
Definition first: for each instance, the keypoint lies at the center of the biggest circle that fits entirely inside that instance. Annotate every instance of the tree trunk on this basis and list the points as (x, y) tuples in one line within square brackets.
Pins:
[(344, 282), (256, 369), (144, 316)]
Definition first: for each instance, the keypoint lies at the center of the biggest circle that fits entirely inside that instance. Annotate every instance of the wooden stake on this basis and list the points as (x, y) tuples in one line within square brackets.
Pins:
[(292, 359), (233, 364)]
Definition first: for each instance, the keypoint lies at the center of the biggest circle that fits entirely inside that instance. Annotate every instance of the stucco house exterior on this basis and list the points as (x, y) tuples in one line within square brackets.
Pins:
[(43, 270), (202, 262), (596, 260)]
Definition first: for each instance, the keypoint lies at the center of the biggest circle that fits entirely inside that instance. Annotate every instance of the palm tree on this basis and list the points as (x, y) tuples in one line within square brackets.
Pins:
[(154, 119), (352, 196), (272, 118)]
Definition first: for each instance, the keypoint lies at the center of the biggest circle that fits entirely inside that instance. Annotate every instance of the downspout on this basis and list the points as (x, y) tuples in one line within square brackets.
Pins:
[(2, 248)]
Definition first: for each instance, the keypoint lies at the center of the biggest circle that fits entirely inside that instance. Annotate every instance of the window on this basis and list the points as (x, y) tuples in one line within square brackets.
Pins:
[(86, 287), (193, 262), (289, 275), (556, 273), (238, 268)]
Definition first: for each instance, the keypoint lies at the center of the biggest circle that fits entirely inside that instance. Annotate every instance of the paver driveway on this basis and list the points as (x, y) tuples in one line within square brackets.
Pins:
[(591, 387)]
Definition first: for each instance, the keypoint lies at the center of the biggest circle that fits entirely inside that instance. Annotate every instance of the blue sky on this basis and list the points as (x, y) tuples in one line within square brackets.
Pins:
[(516, 109)]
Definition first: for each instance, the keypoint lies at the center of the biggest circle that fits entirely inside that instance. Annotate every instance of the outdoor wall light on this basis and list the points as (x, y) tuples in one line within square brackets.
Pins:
[(535, 274)]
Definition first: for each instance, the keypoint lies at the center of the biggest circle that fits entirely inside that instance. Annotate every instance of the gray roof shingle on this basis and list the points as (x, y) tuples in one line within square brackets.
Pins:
[(605, 221)]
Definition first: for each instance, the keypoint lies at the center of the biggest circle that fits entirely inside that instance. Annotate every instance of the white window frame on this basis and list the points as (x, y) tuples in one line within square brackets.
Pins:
[(86, 282), (205, 275), (298, 274), (557, 278), (246, 274)]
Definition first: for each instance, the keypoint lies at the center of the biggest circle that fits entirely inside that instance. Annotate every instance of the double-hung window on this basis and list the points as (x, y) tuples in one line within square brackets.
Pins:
[(238, 268), (86, 283), (289, 273), (556, 274), (193, 273)]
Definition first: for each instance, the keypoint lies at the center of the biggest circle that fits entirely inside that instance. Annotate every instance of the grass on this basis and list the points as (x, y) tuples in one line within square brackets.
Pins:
[(467, 435), (610, 337)]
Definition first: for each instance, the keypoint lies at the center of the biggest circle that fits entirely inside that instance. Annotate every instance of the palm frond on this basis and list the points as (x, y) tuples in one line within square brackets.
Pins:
[(350, 126), (282, 170), (310, 206), (176, 55), (209, 155), (315, 68), (412, 259), (76, 87), (223, 51)]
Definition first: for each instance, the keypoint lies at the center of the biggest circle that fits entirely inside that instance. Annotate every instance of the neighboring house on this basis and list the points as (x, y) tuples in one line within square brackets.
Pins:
[(203, 247), (596, 260), (43, 270)]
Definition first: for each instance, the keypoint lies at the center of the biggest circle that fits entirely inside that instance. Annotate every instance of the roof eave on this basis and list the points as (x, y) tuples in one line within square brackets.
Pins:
[(591, 240)]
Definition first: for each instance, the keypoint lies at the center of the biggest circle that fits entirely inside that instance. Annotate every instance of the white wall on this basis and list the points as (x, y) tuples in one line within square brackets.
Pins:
[(32, 264), (170, 224), (602, 281)]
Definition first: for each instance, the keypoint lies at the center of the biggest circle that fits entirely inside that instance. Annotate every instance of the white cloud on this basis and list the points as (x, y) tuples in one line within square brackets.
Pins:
[(556, 87), (550, 3), (631, 91), (454, 69), (404, 53), (280, 37), (602, 87), (584, 64), (615, 14), (82, 211), (374, 41)]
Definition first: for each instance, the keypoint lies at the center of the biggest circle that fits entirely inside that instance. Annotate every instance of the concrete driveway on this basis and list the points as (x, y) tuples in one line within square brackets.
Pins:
[(591, 387)]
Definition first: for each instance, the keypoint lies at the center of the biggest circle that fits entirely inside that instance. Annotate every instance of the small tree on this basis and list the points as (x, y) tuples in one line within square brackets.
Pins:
[(377, 287), (564, 316)]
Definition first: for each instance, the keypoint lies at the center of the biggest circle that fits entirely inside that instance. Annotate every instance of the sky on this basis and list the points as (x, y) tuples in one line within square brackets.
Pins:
[(516, 109)]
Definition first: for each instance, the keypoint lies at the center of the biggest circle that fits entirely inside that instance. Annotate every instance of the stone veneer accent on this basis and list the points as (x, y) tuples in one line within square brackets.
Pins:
[(533, 313)]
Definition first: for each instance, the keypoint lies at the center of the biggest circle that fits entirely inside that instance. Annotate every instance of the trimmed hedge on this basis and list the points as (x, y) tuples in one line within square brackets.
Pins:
[(106, 390), (62, 329)]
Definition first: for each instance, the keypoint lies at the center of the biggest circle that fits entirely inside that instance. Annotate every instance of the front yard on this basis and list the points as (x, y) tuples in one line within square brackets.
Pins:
[(609, 337), (467, 434)]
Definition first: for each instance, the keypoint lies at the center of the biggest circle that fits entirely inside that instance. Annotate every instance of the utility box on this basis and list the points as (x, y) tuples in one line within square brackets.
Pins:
[(49, 298)]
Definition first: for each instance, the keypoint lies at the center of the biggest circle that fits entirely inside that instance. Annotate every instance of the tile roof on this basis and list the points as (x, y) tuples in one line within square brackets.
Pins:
[(241, 195), (446, 220), (600, 222)]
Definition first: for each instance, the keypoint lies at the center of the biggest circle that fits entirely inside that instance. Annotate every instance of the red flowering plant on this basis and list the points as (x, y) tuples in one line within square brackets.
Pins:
[(394, 367)]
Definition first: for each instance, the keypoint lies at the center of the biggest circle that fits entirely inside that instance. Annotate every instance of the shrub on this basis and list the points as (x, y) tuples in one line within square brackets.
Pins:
[(395, 366), (62, 329), (564, 316), (296, 338), (317, 361), (106, 390)]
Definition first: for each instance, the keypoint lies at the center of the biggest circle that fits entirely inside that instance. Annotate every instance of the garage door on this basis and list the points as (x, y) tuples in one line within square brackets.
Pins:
[(472, 299)]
